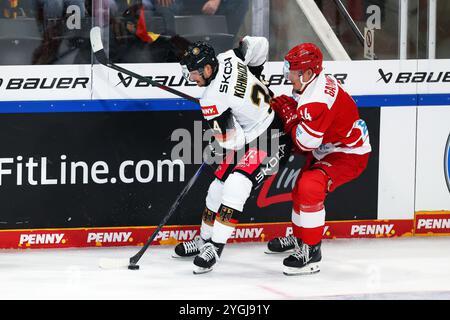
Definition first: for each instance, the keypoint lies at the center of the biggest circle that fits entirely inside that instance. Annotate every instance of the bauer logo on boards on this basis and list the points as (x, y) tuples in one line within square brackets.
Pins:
[(414, 77), (126, 81), (45, 83)]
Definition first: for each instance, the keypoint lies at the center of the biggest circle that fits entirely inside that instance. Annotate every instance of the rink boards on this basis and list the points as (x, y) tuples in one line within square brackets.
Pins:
[(86, 157)]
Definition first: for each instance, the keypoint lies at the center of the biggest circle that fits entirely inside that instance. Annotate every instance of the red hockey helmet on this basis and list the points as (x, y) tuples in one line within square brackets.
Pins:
[(303, 57)]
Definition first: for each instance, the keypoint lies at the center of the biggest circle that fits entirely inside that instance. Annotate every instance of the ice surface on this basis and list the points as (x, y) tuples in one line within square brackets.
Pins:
[(398, 268)]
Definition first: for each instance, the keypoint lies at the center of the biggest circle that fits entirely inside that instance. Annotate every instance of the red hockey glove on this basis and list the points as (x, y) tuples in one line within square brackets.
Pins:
[(286, 109)]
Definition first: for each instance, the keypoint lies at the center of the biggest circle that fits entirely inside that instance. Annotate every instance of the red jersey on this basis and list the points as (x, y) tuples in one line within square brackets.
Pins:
[(329, 120)]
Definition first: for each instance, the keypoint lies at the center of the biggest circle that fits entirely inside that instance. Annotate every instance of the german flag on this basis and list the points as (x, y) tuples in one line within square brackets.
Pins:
[(135, 22), (141, 29)]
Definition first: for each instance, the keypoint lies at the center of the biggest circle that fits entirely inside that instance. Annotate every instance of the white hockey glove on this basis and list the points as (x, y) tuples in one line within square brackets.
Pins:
[(213, 153)]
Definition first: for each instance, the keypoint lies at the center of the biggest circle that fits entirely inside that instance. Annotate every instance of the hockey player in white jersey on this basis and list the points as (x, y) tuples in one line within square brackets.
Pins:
[(236, 106)]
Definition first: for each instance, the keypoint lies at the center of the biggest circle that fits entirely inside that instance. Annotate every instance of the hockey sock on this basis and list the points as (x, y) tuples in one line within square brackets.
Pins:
[(224, 224), (309, 225), (308, 216), (206, 228)]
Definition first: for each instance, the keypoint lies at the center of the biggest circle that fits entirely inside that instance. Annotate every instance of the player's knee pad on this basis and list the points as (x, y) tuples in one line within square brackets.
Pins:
[(236, 191), (310, 191), (214, 196)]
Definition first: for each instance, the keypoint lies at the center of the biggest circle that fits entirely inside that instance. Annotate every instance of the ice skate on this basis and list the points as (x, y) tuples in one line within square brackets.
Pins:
[(208, 257), (189, 248), (281, 244), (304, 260)]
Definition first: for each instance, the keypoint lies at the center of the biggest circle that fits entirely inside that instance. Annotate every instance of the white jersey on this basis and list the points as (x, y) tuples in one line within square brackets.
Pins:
[(235, 89)]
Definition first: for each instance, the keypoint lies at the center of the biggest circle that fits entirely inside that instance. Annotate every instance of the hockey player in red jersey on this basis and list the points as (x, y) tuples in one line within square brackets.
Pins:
[(236, 105), (324, 124)]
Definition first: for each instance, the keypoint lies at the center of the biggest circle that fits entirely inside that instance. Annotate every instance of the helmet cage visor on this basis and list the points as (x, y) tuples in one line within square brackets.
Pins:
[(188, 75), (290, 74)]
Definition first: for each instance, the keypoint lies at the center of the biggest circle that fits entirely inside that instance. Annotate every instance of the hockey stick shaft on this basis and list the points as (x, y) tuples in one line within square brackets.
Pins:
[(99, 52), (134, 259), (153, 83), (350, 21)]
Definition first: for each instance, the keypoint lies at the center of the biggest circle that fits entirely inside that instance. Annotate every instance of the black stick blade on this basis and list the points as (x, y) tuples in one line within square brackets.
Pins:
[(133, 267)]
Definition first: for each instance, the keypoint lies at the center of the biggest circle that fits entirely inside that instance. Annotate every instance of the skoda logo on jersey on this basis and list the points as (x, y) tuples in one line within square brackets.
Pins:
[(447, 163)]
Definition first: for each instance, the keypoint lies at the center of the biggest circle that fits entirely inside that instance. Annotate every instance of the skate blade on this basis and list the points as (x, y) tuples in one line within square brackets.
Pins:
[(175, 256), (308, 269), (200, 270), (267, 251)]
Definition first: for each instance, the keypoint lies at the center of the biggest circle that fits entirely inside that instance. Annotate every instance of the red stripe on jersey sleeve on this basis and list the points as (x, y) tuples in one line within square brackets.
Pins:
[(297, 143)]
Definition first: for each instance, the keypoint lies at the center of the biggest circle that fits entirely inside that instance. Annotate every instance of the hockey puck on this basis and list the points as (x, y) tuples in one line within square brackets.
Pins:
[(133, 267)]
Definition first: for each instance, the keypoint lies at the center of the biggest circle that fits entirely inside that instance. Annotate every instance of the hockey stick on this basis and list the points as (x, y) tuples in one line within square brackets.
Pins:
[(350, 21), (132, 262), (100, 54)]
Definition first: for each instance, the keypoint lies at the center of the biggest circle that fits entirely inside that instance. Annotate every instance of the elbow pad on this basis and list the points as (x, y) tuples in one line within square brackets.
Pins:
[(255, 50)]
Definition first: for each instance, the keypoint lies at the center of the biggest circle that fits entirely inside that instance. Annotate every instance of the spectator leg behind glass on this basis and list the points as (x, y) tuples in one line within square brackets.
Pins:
[(235, 12), (168, 14), (47, 52)]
